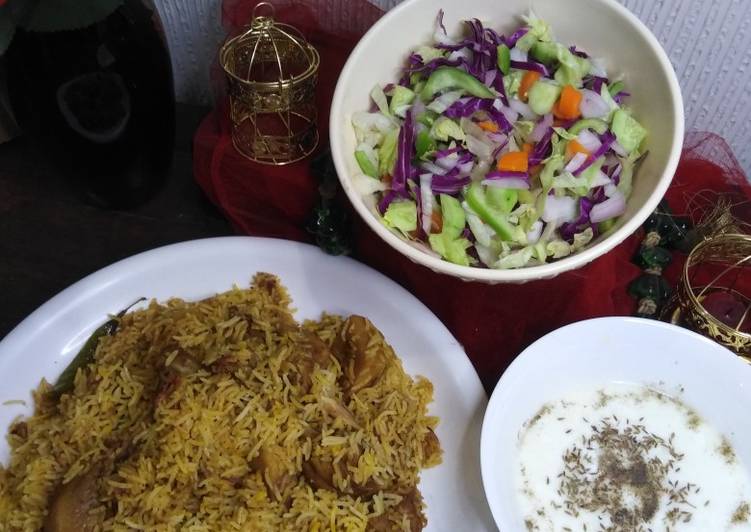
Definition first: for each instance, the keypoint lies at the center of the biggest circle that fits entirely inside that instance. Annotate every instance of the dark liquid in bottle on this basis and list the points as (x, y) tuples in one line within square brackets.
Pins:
[(100, 101)]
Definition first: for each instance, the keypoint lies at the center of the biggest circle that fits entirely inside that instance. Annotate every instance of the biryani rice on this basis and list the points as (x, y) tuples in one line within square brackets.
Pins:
[(208, 416)]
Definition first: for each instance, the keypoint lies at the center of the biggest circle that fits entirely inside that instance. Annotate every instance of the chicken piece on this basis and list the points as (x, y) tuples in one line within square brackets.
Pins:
[(431, 448), (366, 360), (310, 351), (183, 363), (71, 504), (319, 473), (318, 350), (410, 505), (271, 462), (370, 488)]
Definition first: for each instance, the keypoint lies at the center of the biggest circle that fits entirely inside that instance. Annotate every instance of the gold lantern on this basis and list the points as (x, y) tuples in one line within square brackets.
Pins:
[(272, 73), (729, 256)]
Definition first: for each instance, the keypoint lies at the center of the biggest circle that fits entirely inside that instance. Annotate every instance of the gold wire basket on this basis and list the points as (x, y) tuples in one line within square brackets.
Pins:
[(272, 73), (724, 258)]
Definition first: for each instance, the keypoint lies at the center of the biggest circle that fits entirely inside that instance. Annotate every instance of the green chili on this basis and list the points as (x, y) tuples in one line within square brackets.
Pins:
[(449, 78), (504, 59), (424, 144), (615, 88), (598, 126), (84, 357), (488, 213)]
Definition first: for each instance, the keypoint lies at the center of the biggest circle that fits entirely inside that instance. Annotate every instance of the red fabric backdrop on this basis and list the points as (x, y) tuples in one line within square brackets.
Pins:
[(494, 323)]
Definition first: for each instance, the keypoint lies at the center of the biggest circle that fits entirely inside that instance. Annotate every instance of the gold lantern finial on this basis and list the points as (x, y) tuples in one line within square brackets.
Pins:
[(272, 73)]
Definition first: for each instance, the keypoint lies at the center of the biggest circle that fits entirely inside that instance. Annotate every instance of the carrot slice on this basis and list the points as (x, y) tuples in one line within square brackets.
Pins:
[(489, 125), (514, 161), (573, 147), (527, 148), (567, 107), (529, 79), (436, 222)]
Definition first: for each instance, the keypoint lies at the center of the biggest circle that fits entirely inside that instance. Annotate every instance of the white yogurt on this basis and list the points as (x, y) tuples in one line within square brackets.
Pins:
[(711, 488)]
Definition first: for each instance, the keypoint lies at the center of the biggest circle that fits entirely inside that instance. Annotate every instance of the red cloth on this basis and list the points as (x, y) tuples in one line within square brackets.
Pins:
[(494, 323)]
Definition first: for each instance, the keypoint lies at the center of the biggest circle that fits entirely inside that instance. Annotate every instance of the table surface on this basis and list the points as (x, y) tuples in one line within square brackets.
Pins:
[(51, 239)]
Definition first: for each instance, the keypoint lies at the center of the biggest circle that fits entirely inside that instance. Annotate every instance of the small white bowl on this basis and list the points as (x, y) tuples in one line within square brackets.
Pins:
[(603, 28), (591, 354)]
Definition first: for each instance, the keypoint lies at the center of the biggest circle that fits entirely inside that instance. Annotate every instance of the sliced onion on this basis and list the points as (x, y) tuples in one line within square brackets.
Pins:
[(497, 138), (593, 105), (480, 170), (462, 53), (418, 107), (610, 189), (433, 168), (516, 183), (367, 185), (466, 168), (470, 128), (589, 141), (518, 55), (511, 115), (426, 199), (482, 149), (597, 67), (445, 100), (576, 161), (448, 162), (614, 206), (523, 109), (620, 150), (535, 232), (531, 65), (601, 180), (541, 128), (490, 76), (559, 209)]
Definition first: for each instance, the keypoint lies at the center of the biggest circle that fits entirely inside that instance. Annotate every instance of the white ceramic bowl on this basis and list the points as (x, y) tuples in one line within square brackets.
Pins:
[(594, 353), (604, 28)]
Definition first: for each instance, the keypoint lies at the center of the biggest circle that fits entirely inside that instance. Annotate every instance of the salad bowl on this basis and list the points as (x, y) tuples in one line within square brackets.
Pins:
[(606, 30)]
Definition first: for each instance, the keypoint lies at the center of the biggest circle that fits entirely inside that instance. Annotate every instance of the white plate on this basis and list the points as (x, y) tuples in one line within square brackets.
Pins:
[(45, 342), (593, 353)]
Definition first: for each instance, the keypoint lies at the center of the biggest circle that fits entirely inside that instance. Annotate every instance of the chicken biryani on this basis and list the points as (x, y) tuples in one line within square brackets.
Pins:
[(226, 414)]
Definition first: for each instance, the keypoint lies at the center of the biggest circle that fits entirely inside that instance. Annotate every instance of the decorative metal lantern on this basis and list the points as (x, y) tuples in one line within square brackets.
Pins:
[(726, 259), (272, 73)]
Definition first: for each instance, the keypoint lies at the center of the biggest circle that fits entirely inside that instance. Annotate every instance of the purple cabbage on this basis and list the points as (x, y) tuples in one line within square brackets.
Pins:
[(531, 65), (415, 190), (470, 106), (388, 198), (578, 53), (607, 141), (518, 34), (505, 174), (569, 229), (597, 83), (618, 98), (542, 148), (439, 22), (430, 66), (444, 184), (405, 150), (616, 175), (598, 195), (499, 149)]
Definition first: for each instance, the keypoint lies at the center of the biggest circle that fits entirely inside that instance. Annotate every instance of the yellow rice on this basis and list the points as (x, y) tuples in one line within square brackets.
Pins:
[(180, 404)]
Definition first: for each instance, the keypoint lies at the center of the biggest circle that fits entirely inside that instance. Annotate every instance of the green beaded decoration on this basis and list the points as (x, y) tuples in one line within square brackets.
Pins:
[(663, 233), (329, 223)]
